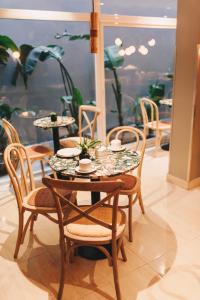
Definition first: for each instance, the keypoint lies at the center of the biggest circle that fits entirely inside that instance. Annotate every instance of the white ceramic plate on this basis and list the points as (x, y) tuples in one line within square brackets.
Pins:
[(122, 148), (93, 169), (68, 152)]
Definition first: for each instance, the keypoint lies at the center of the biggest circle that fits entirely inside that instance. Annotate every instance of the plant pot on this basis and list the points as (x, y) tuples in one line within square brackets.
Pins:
[(53, 118), (84, 155)]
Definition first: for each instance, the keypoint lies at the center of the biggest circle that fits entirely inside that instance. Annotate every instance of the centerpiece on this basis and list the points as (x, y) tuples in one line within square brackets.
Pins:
[(86, 144)]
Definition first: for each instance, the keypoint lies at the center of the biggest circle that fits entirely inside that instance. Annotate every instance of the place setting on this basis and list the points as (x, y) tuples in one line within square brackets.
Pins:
[(104, 161), (85, 166), (68, 152), (116, 146)]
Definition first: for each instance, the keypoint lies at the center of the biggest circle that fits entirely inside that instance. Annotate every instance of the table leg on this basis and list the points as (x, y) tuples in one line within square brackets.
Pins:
[(56, 142), (91, 252), (165, 146), (95, 196)]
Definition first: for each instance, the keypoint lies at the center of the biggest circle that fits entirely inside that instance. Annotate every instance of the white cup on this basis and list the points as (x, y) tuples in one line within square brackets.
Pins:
[(101, 152), (115, 144), (85, 164)]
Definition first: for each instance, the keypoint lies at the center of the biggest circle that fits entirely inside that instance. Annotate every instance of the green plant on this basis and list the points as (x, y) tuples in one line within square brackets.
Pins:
[(87, 144), (42, 53), (73, 99), (156, 92), (8, 48), (112, 61), (53, 116), (27, 57), (6, 112), (137, 111)]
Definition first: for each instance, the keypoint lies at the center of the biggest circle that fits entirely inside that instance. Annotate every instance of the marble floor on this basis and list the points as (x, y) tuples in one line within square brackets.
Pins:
[(163, 260)]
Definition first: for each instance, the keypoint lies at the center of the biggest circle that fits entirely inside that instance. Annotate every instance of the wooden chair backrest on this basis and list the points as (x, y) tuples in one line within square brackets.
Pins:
[(88, 114), (11, 132), (138, 139), (22, 178), (154, 112), (111, 188)]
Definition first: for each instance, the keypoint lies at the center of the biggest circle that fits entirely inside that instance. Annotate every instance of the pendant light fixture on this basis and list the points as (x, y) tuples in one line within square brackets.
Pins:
[(94, 23)]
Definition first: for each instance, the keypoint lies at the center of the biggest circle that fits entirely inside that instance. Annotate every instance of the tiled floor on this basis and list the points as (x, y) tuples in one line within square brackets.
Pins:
[(163, 261)]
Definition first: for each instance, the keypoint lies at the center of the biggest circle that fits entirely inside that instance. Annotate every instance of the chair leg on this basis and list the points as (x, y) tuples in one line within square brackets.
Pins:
[(62, 268), (34, 218), (115, 271), (42, 168), (158, 140), (130, 218), (141, 202), (123, 253), (20, 232)]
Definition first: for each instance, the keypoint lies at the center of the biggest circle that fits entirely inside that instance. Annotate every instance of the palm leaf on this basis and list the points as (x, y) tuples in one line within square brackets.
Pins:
[(42, 53), (112, 59), (8, 43), (3, 56)]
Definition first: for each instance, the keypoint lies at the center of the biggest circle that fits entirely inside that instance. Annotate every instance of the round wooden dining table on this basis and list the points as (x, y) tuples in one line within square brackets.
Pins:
[(46, 123), (113, 164)]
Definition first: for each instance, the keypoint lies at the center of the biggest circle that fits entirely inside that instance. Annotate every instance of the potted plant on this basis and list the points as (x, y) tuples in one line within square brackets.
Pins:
[(85, 145), (53, 116)]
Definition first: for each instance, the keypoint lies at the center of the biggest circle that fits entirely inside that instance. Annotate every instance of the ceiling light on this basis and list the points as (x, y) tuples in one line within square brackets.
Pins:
[(132, 49), (16, 54), (121, 52), (101, 3), (152, 43), (143, 50), (118, 42)]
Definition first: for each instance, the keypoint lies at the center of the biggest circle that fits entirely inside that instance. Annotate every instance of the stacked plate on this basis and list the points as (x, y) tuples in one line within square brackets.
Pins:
[(68, 152)]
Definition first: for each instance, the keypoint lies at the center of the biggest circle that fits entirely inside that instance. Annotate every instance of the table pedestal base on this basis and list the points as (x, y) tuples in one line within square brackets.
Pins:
[(165, 147), (92, 252)]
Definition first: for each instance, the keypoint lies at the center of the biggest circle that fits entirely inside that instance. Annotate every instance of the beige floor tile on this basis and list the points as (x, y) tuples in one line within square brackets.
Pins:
[(152, 237), (130, 285), (181, 276), (163, 260)]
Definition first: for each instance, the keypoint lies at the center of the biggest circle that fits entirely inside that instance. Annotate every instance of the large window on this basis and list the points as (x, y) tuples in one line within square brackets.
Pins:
[(148, 46), (150, 8), (45, 85), (59, 5), (147, 57)]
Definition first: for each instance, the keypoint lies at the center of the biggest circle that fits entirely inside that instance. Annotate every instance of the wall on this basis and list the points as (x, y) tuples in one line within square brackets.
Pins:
[(182, 156)]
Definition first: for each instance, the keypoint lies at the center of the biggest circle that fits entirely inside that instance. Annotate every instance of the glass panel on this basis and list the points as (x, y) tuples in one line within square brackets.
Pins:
[(145, 57), (151, 8), (61, 5), (45, 85)]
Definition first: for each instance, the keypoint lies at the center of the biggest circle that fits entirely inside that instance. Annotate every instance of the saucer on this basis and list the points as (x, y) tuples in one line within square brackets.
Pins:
[(68, 152), (93, 169), (121, 148)]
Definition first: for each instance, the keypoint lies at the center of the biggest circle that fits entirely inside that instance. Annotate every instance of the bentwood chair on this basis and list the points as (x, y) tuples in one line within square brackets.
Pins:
[(35, 152), (92, 225), (29, 198), (88, 115), (151, 121), (132, 186)]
